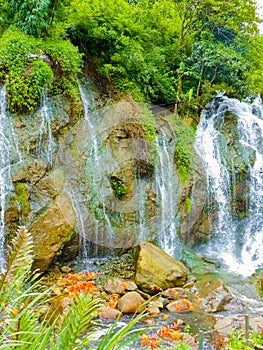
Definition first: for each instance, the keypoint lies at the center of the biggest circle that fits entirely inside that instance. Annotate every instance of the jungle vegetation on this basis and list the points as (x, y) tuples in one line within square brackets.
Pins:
[(172, 52)]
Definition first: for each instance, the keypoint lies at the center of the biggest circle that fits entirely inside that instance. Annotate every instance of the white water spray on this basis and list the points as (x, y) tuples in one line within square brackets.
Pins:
[(237, 242), (9, 152), (166, 190), (46, 143)]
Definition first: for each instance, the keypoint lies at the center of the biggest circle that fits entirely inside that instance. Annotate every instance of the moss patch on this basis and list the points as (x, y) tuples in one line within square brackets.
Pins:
[(188, 204), (118, 186), (184, 152), (148, 124), (21, 191)]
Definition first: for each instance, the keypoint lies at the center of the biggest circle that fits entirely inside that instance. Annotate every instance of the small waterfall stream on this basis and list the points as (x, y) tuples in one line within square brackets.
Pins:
[(46, 143), (237, 241), (94, 161), (166, 191), (9, 154)]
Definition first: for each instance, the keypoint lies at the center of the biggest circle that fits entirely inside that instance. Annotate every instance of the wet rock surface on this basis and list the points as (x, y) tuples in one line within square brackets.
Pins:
[(156, 268), (214, 293)]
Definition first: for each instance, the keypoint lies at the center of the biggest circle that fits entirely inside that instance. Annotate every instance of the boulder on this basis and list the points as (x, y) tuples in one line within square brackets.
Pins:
[(178, 306), (214, 293), (131, 303), (51, 228), (107, 313), (130, 285), (49, 185), (155, 267), (114, 286), (153, 310)]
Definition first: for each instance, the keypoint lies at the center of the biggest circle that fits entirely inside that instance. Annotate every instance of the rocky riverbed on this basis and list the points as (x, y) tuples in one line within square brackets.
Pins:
[(150, 281)]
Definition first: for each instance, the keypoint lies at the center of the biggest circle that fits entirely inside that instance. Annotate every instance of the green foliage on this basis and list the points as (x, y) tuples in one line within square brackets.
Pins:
[(34, 17), (118, 339), (184, 146), (66, 64), (118, 186), (188, 205), (172, 51), (30, 16), (25, 68), (238, 340), (131, 51)]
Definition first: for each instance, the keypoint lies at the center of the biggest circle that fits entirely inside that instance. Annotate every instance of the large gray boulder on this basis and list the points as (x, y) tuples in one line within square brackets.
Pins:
[(155, 267)]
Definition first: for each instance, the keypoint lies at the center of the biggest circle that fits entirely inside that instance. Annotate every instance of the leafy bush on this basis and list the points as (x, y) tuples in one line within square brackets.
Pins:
[(28, 66), (237, 340)]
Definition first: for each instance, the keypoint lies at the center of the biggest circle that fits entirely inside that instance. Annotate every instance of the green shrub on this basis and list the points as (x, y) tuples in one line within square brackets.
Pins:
[(118, 186), (28, 66)]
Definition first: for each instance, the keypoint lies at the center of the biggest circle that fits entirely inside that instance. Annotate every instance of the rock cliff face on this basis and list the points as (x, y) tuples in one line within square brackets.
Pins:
[(92, 172)]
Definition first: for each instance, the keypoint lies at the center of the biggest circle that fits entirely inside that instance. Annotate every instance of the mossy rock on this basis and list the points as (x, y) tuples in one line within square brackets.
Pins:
[(258, 283), (155, 267)]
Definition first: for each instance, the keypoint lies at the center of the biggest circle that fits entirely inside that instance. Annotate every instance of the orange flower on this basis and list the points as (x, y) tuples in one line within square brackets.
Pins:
[(113, 300), (174, 335), (123, 285), (154, 345), (145, 340), (154, 287), (198, 298), (177, 306), (172, 291), (188, 304)]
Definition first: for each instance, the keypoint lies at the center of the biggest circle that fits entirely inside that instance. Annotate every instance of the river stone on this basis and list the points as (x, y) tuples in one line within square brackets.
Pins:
[(114, 286), (214, 293), (155, 267), (51, 229), (107, 313), (130, 285), (131, 303), (225, 325), (153, 310)]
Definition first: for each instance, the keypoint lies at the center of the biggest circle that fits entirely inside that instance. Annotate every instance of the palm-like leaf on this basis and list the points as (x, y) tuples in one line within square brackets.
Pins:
[(76, 321)]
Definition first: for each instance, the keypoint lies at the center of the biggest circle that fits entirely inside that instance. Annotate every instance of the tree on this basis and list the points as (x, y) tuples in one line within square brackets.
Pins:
[(34, 17)]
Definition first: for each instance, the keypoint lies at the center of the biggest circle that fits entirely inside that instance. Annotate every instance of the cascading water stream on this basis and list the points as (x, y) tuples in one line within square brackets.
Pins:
[(166, 190), (9, 153), (94, 161), (46, 143), (238, 242)]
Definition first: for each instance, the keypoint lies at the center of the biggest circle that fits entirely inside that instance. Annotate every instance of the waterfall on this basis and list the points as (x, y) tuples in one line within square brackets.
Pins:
[(93, 162), (166, 191), (9, 154), (229, 157), (46, 143)]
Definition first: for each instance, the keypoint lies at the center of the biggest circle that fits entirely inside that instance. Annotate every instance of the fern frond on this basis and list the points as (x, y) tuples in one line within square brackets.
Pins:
[(19, 261), (123, 336), (76, 321)]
